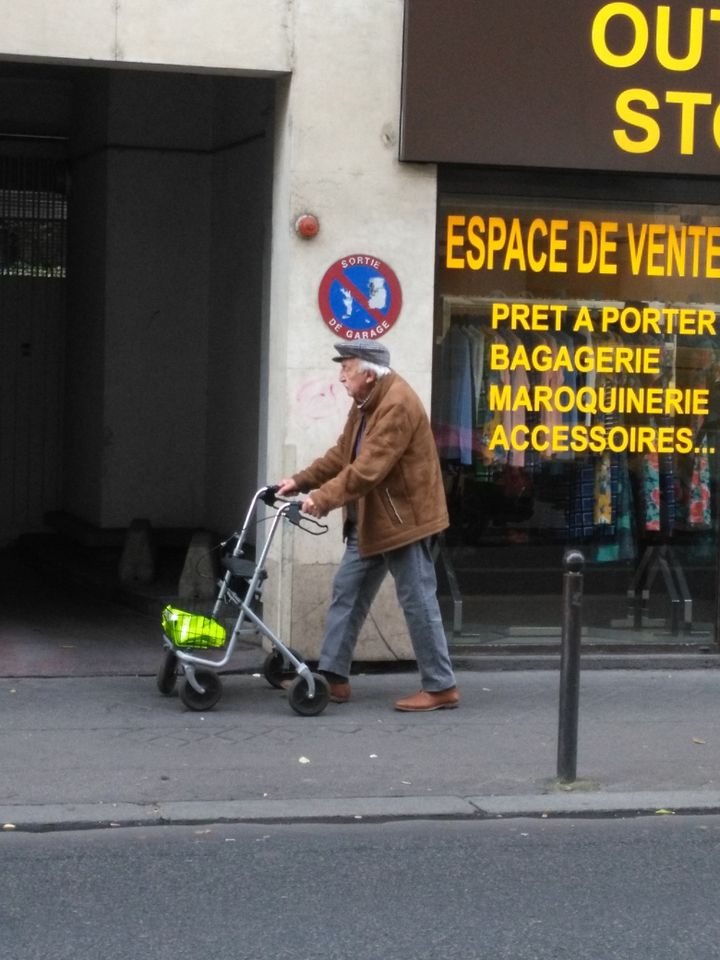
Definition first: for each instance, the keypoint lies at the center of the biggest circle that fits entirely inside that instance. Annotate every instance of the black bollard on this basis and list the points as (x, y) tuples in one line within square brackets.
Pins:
[(570, 666)]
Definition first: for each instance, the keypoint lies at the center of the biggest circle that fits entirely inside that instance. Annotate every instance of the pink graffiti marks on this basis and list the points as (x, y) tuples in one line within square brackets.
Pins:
[(320, 399)]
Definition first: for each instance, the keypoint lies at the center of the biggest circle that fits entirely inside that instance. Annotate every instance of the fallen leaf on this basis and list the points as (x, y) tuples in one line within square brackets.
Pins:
[(697, 740), (663, 811)]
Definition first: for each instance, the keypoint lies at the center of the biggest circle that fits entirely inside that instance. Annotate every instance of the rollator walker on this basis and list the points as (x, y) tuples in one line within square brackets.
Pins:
[(185, 634)]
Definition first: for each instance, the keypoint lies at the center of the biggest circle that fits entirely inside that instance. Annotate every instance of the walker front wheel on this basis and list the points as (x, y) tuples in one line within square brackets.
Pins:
[(277, 671), (212, 685), (301, 701), (167, 674)]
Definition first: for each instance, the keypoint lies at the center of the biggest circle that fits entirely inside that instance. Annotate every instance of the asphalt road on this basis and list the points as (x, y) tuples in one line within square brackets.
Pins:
[(636, 889)]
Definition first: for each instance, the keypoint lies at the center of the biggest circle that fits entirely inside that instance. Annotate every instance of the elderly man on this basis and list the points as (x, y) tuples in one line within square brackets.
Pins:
[(384, 471)]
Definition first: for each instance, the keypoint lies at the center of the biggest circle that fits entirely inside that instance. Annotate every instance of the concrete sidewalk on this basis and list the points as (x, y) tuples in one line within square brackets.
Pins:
[(111, 750)]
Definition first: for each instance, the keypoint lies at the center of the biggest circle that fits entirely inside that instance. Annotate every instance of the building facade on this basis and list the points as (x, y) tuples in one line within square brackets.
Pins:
[(541, 185)]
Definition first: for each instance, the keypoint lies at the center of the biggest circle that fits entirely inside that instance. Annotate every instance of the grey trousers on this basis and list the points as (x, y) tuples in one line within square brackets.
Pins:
[(355, 585)]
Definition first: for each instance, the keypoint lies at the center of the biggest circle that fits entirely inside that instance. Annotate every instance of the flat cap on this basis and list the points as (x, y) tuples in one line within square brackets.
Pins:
[(369, 350)]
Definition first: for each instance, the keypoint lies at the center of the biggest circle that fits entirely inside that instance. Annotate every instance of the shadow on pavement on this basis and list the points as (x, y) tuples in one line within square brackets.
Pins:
[(51, 626)]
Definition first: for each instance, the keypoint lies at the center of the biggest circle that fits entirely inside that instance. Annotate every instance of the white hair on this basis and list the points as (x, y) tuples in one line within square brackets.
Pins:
[(380, 370)]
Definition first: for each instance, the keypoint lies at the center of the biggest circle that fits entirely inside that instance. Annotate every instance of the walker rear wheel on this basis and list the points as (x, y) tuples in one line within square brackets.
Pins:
[(276, 671), (167, 674), (194, 700), (302, 702)]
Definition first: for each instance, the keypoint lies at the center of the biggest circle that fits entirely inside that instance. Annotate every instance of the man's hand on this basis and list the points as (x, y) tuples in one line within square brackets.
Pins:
[(311, 508), (287, 487)]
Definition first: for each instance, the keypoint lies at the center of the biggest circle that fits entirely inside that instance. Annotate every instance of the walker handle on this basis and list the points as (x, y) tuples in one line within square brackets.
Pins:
[(268, 495)]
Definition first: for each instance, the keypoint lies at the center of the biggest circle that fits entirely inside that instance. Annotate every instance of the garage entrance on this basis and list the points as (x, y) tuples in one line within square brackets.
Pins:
[(134, 212)]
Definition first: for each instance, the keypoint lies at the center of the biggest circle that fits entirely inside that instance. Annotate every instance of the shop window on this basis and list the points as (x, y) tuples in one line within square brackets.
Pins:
[(576, 383)]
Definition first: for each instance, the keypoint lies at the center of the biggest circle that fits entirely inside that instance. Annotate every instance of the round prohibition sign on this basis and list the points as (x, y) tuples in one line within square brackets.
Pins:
[(359, 297)]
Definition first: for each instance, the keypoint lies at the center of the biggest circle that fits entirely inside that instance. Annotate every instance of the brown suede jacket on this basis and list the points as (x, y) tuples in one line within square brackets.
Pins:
[(395, 479)]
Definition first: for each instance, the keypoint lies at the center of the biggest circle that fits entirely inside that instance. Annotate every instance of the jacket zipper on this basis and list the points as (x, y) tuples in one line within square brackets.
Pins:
[(392, 505)]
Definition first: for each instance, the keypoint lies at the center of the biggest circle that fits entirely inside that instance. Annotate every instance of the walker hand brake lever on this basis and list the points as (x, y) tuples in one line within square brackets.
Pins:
[(298, 518)]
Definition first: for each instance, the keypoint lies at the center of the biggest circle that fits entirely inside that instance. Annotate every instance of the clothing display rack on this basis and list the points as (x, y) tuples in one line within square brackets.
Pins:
[(659, 558), (440, 551)]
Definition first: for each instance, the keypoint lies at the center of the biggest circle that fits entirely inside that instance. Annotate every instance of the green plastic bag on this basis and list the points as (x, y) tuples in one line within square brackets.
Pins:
[(192, 629)]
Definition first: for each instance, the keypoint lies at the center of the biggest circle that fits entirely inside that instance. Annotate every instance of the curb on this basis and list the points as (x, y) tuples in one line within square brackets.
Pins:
[(92, 816)]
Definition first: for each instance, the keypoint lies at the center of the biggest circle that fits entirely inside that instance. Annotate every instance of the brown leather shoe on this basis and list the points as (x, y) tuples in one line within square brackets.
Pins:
[(339, 692), (424, 701)]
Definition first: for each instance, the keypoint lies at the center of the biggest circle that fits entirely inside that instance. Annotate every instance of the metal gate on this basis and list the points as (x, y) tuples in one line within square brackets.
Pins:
[(33, 244)]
